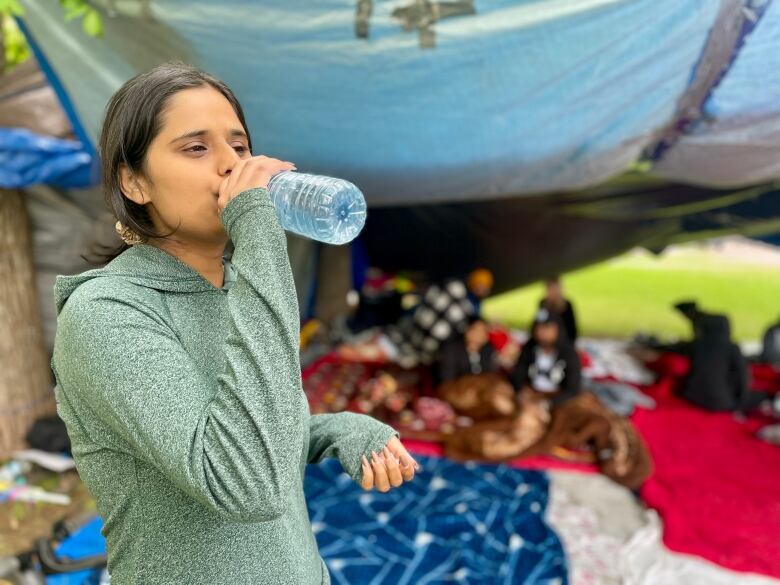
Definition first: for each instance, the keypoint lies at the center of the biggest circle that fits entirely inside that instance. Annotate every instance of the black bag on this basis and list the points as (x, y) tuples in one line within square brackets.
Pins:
[(771, 350), (49, 434)]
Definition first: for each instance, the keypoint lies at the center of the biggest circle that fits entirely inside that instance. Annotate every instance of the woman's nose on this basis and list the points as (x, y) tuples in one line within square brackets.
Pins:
[(227, 160)]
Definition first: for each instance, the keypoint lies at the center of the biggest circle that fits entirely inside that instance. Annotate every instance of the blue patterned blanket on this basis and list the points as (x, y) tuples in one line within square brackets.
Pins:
[(455, 523)]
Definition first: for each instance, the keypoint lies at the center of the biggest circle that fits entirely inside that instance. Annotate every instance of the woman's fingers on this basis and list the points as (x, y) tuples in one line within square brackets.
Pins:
[(397, 448), (407, 463), (249, 173), (381, 481), (390, 467), (393, 468), (368, 475), (407, 467)]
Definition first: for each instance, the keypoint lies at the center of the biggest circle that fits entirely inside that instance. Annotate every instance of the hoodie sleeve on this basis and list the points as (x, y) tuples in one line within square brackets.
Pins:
[(347, 436), (236, 448)]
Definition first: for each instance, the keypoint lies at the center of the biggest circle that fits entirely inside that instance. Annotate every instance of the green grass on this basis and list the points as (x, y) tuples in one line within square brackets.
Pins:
[(635, 292)]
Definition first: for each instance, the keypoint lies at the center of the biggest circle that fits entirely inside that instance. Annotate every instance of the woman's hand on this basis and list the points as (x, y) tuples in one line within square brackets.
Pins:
[(508, 355), (392, 466), (250, 173)]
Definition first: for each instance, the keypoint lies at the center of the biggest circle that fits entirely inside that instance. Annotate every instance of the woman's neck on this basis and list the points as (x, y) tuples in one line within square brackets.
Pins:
[(204, 259)]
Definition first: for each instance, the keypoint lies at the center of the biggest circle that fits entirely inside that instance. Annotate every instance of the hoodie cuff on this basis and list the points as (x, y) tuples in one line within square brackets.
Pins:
[(242, 203), (377, 442)]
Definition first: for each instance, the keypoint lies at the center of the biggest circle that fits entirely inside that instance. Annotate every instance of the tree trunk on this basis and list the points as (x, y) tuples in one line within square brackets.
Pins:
[(25, 377), (2, 45)]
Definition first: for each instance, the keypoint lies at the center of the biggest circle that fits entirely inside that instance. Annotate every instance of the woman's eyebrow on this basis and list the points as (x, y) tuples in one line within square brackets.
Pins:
[(191, 134), (199, 133)]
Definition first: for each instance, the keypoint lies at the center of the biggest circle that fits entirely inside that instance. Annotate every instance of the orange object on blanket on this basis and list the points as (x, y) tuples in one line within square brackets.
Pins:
[(572, 455)]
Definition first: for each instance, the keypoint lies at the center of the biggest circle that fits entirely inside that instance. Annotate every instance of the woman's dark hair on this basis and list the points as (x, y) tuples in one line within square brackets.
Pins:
[(475, 318), (133, 118), (550, 318)]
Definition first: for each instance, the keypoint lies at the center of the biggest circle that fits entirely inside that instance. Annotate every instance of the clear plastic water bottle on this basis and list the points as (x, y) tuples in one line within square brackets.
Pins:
[(321, 208)]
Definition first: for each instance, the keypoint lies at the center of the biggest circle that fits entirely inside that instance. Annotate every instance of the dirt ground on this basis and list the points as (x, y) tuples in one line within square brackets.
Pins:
[(22, 523)]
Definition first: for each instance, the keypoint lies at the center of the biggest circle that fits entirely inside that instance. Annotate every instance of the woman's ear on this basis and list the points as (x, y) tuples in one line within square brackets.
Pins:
[(131, 186)]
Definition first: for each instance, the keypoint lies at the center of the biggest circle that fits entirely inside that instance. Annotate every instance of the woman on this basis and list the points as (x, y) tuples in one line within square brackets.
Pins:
[(549, 369), (178, 372), (555, 302), (470, 353)]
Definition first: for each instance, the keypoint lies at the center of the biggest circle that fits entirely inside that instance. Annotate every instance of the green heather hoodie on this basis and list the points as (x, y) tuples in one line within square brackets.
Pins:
[(187, 416)]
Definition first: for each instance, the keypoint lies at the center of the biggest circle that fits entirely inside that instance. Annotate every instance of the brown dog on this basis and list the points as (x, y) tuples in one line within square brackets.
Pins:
[(480, 396), (579, 425), (503, 437)]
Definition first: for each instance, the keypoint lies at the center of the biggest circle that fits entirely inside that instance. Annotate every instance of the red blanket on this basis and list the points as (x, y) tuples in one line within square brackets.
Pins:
[(715, 485)]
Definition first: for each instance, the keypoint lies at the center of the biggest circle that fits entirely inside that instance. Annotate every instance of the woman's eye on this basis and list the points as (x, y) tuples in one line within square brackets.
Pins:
[(241, 148), (196, 148)]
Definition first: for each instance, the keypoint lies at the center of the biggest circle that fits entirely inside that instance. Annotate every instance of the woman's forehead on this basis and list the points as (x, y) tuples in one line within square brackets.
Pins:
[(202, 108)]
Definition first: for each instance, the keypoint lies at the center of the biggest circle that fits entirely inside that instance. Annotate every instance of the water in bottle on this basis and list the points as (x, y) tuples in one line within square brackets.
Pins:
[(321, 208)]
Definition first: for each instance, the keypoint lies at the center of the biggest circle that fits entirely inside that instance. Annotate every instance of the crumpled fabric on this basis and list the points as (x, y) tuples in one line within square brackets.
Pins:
[(622, 399), (28, 159), (611, 539)]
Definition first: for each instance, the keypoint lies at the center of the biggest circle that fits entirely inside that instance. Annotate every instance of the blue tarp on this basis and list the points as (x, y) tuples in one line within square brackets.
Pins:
[(84, 542), (736, 140), (514, 97), (28, 159)]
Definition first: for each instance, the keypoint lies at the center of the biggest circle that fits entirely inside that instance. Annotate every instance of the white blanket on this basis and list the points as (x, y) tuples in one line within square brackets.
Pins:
[(611, 539)]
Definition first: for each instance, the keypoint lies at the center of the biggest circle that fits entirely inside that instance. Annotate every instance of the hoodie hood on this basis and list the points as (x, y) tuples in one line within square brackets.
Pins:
[(144, 265)]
